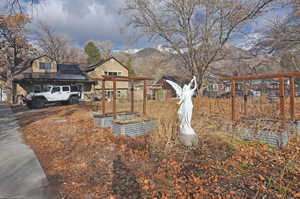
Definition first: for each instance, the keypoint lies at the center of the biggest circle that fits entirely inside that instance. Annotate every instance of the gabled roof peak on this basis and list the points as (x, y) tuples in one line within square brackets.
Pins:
[(100, 63)]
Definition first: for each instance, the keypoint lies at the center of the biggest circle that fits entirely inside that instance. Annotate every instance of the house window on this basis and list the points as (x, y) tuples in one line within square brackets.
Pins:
[(45, 66), (46, 88), (109, 94), (213, 87), (37, 88), (112, 73)]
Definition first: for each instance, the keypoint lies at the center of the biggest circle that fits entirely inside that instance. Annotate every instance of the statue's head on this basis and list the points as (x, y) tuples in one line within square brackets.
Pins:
[(186, 87)]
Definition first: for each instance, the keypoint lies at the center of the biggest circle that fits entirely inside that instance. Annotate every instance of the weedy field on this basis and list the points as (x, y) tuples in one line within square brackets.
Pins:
[(84, 162)]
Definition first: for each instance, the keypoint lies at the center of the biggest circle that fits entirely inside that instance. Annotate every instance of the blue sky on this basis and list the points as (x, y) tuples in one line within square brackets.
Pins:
[(85, 20)]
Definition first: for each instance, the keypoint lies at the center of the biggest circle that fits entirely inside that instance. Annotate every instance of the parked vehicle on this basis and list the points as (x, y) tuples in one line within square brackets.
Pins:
[(65, 94)]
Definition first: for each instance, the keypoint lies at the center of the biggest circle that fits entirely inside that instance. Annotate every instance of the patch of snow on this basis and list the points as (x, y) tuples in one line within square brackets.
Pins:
[(130, 51)]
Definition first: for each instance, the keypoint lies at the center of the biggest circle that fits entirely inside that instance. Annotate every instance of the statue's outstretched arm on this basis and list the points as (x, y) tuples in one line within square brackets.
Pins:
[(181, 100), (195, 83)]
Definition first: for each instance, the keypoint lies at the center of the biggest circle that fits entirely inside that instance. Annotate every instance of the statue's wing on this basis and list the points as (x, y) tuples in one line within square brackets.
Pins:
[(176, 87)]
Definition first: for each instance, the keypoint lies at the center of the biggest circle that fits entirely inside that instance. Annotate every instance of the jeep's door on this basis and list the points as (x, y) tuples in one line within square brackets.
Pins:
[(55, 94), (65, 93)]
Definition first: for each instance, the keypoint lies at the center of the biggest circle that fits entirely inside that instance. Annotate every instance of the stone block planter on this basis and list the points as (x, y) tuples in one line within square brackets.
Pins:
[(246, 133), (134, 126), (273, 138), (106, 120)]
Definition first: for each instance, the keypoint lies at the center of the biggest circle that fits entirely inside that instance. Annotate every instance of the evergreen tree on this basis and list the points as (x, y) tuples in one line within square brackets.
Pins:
[(130, 68), (93, 53)]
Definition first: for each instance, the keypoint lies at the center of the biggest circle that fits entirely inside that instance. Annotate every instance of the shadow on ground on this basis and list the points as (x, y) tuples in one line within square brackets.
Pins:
[(27, 116), (124, 183)]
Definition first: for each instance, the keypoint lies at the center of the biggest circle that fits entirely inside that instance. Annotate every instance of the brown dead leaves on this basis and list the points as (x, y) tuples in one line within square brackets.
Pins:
[(87, 161)]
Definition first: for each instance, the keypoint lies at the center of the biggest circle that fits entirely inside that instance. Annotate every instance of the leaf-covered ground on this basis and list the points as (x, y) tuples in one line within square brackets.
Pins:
[(84, 162)]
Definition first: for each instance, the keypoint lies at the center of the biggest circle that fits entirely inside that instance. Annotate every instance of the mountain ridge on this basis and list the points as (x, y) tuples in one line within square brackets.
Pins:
[(159, 60)]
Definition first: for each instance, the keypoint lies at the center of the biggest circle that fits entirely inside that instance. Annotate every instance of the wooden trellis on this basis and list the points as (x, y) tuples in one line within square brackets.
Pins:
[(281, 77), (115, 79)]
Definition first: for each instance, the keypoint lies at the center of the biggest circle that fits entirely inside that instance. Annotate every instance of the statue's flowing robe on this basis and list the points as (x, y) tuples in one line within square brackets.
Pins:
[(185, 112)]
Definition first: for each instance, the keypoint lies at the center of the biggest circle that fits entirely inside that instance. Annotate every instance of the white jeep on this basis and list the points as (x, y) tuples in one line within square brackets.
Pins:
[(50, 94)]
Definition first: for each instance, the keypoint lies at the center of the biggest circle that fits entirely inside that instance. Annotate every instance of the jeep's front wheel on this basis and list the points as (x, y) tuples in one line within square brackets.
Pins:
[(39, 103), (29, 105), (73, 100)]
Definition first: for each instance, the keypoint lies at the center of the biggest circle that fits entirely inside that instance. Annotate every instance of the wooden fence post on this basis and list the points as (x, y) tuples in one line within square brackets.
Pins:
[(103, 97), (292, 98), (233, 95), (114, 98), (145, 98), (281, 96), (132, 96)]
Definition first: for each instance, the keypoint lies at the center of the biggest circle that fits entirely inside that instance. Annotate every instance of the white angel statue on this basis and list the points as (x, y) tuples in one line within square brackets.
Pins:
[(187, 135)]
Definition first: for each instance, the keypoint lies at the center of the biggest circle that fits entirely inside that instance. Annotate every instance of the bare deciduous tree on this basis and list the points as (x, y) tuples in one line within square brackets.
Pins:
[(51, 43), (14, 49), (16, 6), (282, 38), (196, 30), (104, 47), (75, 55)]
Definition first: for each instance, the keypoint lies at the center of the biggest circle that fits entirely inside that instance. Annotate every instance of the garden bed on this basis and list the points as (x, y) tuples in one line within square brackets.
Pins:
[(267, 131), (273, 138), (134, 126), (105, 121)]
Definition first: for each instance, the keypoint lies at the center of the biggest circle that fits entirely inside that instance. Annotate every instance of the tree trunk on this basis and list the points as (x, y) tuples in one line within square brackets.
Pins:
[(9, 87), (9, 75)]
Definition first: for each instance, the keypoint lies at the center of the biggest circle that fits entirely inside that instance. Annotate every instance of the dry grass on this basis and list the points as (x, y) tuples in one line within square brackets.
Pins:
[(83, 161)]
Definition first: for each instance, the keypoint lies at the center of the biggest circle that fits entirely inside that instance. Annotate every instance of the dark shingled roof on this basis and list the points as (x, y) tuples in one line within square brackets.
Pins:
[(69, 69)]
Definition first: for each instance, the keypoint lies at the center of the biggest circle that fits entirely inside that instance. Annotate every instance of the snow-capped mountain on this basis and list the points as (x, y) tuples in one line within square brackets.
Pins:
[(129, 51), (160, 48), (164, 49)]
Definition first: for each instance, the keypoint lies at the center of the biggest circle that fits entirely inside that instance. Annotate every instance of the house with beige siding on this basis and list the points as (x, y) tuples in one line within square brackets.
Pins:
[(43, 71), (109, 67)]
